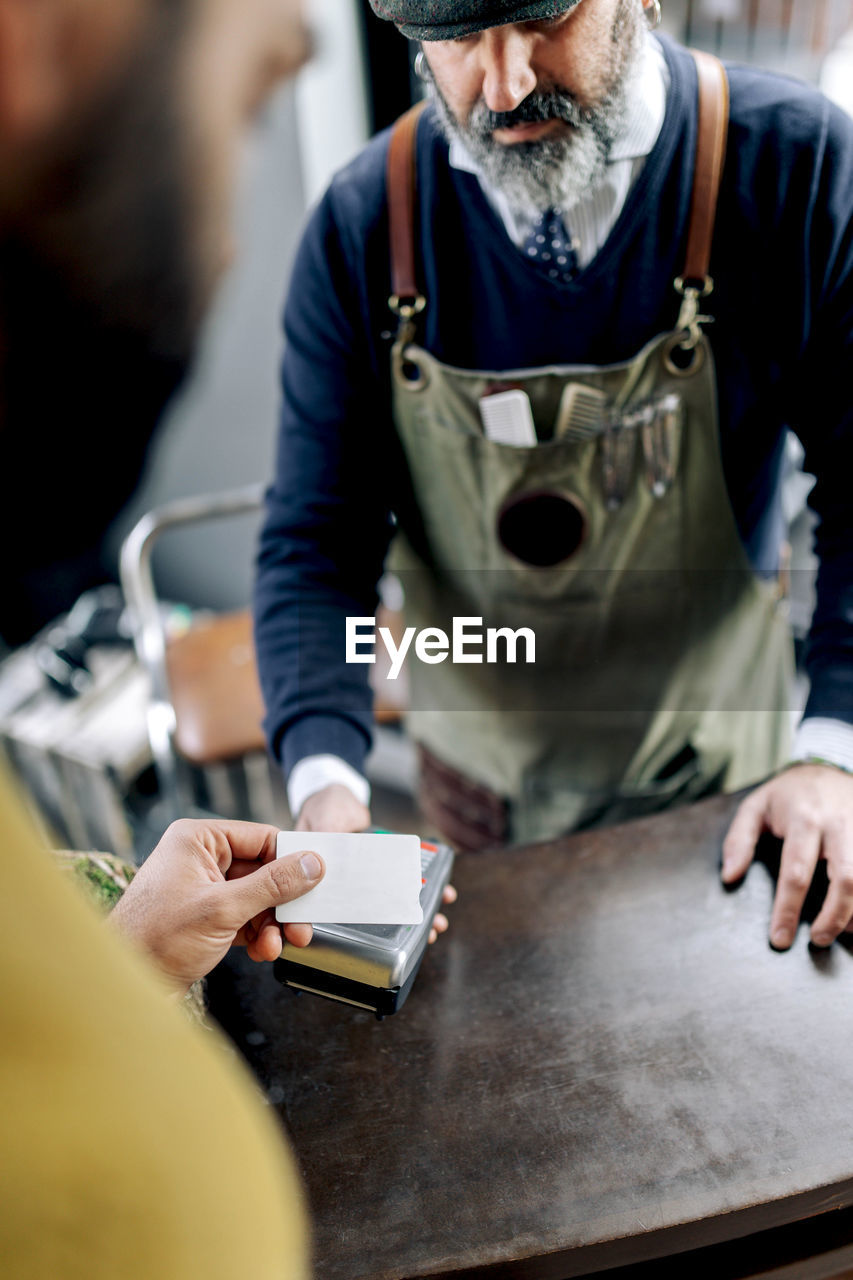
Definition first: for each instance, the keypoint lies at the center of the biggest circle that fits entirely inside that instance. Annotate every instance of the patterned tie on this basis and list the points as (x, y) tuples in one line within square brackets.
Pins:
[(549, 247)]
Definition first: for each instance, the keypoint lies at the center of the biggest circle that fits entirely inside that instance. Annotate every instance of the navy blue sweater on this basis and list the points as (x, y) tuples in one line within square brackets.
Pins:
[(783, 307)]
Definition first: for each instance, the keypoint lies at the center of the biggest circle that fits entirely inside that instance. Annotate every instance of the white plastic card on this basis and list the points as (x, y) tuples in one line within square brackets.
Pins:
[(370, 879)]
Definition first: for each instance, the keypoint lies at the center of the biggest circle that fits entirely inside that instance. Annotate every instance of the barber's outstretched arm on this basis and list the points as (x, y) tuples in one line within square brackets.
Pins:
[(810, 808), (335, 808), (210, 885)]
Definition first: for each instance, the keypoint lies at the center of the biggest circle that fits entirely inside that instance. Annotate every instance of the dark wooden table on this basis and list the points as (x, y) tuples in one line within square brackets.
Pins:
[(603, 1063)]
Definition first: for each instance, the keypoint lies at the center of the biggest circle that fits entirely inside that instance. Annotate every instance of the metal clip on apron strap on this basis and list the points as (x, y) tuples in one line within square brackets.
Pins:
[(695, 283), (712, 131)]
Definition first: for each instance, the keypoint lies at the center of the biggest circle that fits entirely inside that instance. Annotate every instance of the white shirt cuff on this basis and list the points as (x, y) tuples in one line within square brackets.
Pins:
[(313, 773), (825, 739)]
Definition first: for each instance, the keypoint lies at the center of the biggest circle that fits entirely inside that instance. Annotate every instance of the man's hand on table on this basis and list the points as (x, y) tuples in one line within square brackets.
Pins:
[(810, 808), (209, 886), (335, 808)]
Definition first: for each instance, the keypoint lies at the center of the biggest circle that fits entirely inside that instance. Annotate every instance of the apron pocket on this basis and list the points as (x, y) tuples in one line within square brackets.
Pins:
[(686, 777)]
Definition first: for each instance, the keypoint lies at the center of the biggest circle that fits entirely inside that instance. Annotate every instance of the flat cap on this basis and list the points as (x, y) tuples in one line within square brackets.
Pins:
[(447, 19)]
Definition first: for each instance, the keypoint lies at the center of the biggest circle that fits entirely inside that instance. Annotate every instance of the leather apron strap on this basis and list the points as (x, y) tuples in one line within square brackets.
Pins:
[(694, 283), (710, 158), (401, 185)]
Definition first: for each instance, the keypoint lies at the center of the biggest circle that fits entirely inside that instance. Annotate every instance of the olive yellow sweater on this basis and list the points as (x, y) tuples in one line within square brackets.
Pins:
[(132, 1146)]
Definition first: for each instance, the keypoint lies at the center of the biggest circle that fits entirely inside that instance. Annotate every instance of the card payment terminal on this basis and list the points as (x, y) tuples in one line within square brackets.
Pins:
[(370, 966)]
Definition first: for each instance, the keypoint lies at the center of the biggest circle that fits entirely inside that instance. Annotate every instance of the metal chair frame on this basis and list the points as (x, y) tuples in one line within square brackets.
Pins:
[(137, 581)]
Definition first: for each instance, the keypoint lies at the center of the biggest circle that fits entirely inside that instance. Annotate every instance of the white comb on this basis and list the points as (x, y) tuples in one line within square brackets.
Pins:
[(508, 418)]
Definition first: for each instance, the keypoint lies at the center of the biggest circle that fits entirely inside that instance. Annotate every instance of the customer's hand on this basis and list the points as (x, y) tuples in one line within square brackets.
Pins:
[(211, 885), (810, 808), (335, 808)]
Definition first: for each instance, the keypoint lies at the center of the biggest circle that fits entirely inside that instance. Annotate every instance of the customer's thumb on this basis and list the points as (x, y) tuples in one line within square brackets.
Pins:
[(277, 882)]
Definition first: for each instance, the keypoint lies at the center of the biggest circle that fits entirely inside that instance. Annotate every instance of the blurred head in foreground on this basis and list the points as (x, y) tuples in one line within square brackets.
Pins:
[(121, 123)]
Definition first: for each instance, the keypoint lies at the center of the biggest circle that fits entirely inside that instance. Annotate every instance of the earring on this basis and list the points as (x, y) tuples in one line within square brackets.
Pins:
[(653, 14), (420, 65)]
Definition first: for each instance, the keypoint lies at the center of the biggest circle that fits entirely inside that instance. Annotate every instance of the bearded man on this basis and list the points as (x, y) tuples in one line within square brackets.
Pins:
[(560, 440)]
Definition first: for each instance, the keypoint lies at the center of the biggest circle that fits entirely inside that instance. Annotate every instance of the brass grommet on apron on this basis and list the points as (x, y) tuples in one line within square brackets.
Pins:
[(410, 375), (682, 361), (542, 528)]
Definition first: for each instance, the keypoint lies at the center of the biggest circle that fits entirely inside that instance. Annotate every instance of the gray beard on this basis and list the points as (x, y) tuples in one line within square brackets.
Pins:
[(553, 172)]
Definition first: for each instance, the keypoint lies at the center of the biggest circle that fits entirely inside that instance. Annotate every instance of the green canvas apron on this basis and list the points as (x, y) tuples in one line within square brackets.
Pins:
[(663, 665)]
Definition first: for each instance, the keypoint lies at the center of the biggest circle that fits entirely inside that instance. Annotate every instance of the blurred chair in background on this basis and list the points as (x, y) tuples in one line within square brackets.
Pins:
[(205, 711)]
